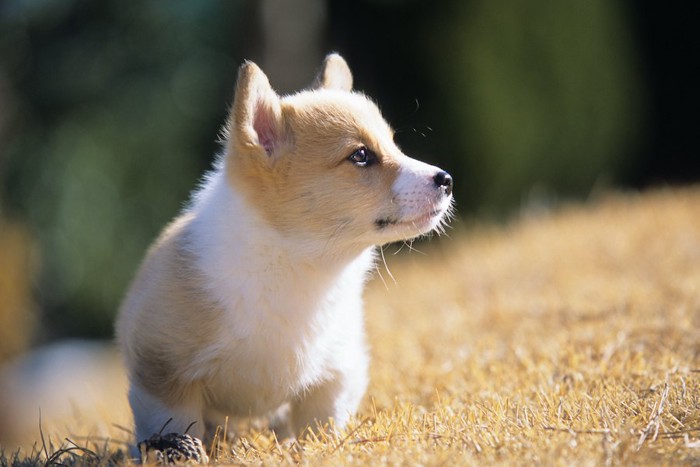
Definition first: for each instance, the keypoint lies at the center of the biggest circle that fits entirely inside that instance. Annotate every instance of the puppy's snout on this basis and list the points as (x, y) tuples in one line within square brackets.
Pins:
[(443, 180)]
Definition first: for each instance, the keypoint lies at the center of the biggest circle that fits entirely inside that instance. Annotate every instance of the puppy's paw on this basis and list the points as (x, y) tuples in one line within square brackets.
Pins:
[(173, 448)]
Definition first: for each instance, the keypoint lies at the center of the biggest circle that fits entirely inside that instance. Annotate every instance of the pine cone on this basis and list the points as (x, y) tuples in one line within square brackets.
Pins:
[(173, 448)]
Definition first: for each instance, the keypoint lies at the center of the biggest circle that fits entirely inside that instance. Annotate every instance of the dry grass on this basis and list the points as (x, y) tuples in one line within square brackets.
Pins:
[(568, 339)]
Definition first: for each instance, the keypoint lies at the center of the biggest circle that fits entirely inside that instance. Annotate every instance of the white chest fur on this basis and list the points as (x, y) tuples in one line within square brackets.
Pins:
[(291, 317)]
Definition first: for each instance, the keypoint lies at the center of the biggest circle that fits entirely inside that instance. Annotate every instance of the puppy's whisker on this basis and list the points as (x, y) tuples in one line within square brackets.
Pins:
[(386, 266), (381, 277), (411, 248)]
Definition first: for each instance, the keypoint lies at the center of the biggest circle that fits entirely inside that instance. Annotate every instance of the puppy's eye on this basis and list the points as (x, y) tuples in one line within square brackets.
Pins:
[(363, 157)]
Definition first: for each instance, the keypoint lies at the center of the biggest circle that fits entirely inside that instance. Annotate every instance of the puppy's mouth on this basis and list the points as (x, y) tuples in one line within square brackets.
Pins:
[(420, 222)]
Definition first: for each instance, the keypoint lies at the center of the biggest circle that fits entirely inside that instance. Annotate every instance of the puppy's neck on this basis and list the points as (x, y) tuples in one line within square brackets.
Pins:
[(248, 267), (227, 233)]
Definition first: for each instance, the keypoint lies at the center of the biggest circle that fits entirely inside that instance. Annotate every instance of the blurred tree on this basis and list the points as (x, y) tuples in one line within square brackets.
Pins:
[(114, 104), (292, 31), (546, 93)]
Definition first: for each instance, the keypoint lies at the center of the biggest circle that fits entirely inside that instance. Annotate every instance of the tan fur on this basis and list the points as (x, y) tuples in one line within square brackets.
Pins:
[(191, 319), (327, 126), (334, 74)]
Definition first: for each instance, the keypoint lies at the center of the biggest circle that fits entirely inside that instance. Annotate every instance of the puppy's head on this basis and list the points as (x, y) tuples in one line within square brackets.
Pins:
[(322, 164)]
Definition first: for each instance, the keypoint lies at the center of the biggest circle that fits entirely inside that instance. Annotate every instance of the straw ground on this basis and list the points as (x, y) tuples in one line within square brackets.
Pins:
[(565, 338)]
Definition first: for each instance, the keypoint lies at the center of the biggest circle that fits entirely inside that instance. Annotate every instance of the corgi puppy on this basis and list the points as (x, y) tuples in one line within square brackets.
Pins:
[(250, 302)]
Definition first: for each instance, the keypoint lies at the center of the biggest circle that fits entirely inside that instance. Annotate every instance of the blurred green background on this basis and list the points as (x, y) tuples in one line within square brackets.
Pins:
[(110, 110)]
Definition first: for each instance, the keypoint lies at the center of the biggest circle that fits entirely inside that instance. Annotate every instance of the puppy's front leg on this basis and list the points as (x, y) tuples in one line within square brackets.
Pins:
[(153, 418), (332, 399), (314, 407)]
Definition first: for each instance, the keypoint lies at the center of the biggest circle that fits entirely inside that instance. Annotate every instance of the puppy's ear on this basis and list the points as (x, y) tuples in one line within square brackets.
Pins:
[(334, 74), (255, 121)]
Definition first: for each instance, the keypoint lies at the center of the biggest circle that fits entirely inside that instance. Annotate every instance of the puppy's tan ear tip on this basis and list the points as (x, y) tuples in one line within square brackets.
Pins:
[(248, 69), (336, 59), (252, 81), (255, 117), (334, 74)]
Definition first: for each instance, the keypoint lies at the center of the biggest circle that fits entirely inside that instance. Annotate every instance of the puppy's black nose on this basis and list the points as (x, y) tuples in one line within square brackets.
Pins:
[(443, 180)]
